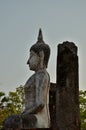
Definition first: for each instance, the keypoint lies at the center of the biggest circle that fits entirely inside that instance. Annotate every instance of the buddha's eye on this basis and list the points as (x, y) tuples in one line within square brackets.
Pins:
[(31, 55)]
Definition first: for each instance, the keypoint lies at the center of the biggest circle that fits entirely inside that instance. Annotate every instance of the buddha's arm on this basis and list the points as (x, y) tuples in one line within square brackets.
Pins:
[(40, 99)]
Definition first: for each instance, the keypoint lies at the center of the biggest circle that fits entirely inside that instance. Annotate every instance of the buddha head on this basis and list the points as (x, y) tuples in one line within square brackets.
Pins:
[(39, 54)]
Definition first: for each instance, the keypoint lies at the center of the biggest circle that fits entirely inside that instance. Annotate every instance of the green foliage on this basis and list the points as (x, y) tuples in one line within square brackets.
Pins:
[(16, 100), (3, 111), (11, 104), (3, 99), (82, 99)]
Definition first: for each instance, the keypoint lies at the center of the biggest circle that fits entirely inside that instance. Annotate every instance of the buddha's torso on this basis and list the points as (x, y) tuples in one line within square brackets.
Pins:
[(30, 95)]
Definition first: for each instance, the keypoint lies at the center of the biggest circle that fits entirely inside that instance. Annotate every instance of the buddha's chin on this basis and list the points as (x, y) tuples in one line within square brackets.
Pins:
[(31, 68)]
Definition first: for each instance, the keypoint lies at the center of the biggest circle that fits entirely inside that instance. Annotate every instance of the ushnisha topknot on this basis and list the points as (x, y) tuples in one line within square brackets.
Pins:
[(40, 36), (41, 46)]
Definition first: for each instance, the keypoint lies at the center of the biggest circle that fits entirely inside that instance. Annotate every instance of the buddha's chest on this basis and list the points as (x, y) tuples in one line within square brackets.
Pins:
[(30, 91)]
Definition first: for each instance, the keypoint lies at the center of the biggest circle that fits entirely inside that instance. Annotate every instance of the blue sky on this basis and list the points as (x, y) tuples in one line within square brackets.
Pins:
[(20, 20)]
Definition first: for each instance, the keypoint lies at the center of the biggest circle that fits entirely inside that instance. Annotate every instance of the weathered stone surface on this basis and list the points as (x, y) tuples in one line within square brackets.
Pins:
[(52, 105), (13, 122), (67, 95)]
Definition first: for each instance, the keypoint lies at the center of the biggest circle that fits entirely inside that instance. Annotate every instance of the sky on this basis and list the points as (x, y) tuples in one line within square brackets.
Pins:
[(20, 20)]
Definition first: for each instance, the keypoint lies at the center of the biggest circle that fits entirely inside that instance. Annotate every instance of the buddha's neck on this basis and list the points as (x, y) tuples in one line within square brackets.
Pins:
[(40, 68)]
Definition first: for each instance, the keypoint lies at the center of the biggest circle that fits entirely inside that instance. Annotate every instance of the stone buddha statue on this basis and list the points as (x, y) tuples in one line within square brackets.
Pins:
[(37, 86), (36, 113)]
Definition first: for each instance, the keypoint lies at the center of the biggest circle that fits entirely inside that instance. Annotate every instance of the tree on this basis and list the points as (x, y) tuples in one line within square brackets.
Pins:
[(82, 98), (20, 93), (3, 100), (3, 111), (11, 104), (16, 100)]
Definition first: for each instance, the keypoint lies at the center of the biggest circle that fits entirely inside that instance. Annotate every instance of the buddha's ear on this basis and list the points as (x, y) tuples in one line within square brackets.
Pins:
[(41, 54)]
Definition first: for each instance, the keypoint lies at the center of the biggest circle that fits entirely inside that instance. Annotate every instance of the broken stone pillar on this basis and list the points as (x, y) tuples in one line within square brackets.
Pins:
[(67, 95), (52, 105)]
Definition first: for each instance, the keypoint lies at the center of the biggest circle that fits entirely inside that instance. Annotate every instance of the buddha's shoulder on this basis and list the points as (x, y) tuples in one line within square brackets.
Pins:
[(42, 73)]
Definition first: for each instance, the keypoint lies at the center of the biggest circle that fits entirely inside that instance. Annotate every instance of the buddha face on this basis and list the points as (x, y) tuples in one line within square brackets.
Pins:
[(33, 61)]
